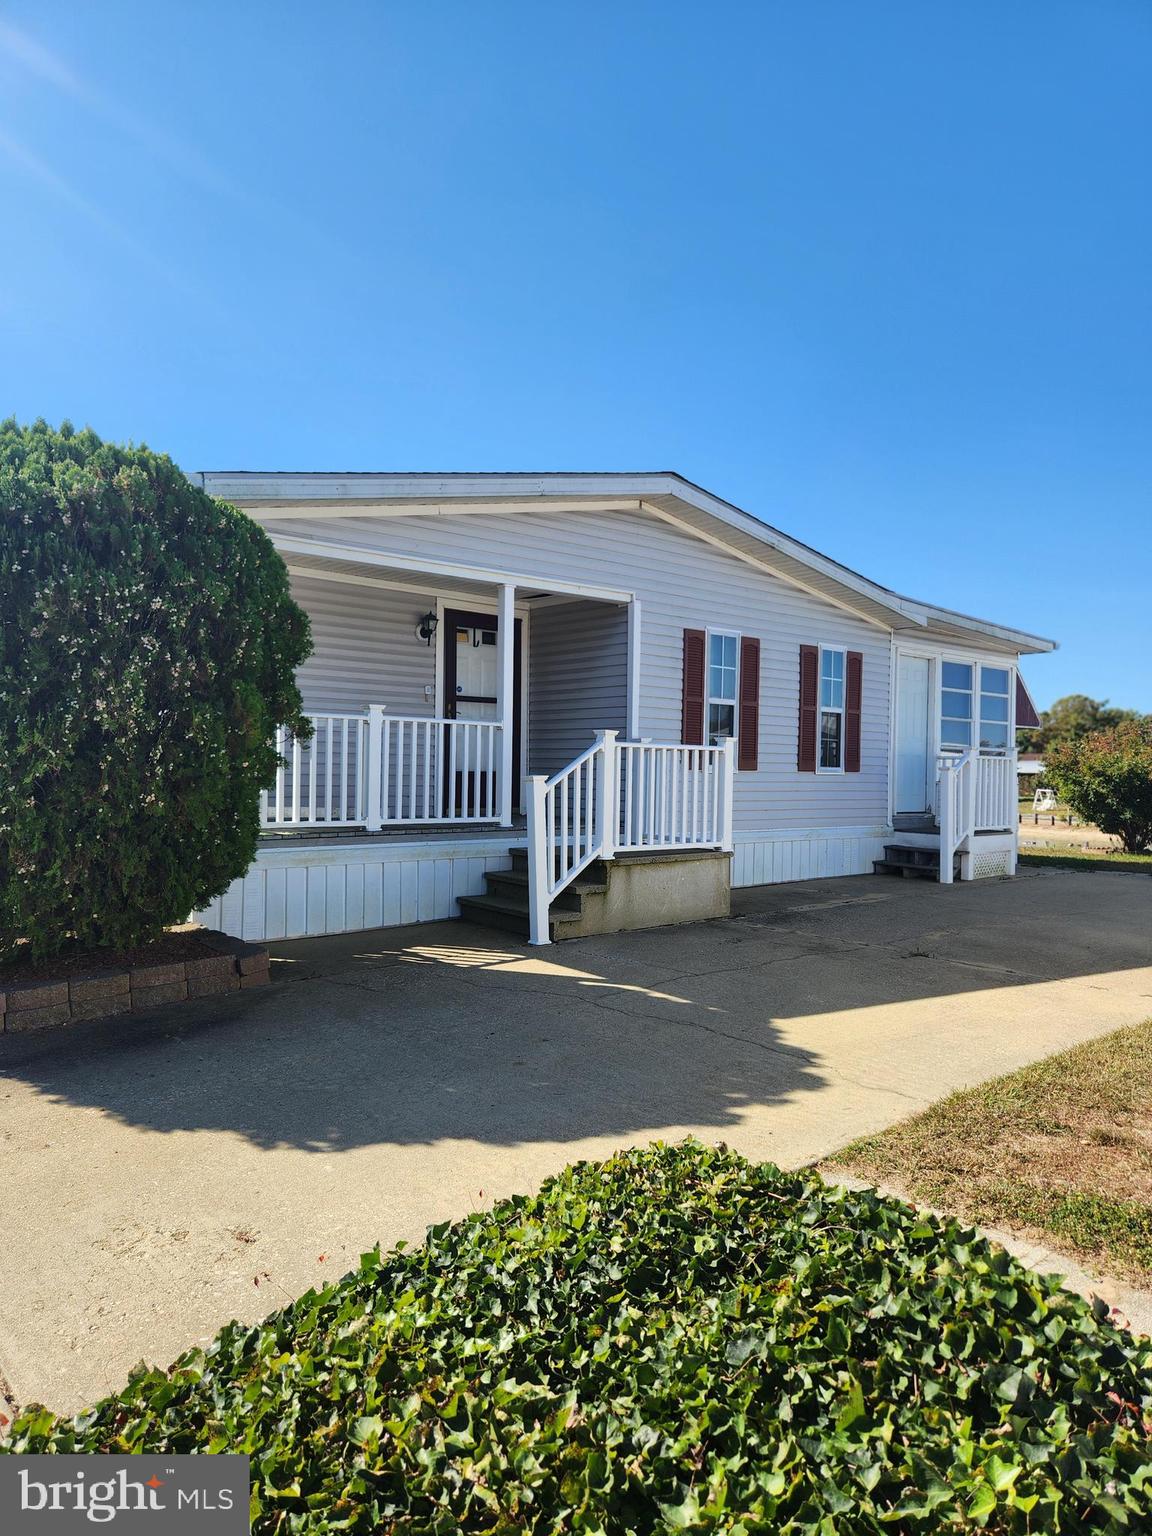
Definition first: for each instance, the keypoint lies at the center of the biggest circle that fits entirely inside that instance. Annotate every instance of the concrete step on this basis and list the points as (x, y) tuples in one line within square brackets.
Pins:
[(915, 821), (509, 915), (511, 885)]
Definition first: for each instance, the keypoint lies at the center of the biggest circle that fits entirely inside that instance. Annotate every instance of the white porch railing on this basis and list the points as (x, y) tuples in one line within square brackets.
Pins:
[(436, 770), (375, 770), (320, 782), (619, 797), (975, 794)]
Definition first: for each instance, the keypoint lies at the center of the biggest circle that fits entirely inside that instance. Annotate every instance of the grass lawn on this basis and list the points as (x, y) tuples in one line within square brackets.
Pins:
[(1061, 1150), (674, 1340), (1059, 857)]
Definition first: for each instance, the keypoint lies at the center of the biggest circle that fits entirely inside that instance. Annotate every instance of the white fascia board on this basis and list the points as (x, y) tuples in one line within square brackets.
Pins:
[(1017, 640)]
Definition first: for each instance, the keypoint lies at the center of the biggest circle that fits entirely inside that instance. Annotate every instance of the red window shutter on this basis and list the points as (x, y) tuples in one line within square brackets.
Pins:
[(695, 662), (809, 685), (853, 698), (748, 729)]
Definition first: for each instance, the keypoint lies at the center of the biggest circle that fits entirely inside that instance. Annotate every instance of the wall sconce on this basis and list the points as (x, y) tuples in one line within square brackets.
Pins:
[(426, 629)]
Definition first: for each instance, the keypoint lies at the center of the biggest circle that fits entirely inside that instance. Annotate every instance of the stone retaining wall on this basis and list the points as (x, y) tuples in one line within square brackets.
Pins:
[(227, 965)]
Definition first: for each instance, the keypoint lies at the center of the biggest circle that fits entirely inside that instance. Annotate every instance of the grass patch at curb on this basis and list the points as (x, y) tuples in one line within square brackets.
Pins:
[(1085, 859), (1061, 1150), (673, 1340)]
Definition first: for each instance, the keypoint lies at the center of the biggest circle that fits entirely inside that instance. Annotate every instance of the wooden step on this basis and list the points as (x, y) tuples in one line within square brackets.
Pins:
[(912, 861)]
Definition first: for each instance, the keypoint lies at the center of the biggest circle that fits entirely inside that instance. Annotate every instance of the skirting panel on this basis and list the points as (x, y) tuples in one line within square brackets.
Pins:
[(287, 895), (776, 857)]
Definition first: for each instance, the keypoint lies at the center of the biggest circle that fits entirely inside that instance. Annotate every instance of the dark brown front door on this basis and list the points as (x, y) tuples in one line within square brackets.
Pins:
[(471, 674)]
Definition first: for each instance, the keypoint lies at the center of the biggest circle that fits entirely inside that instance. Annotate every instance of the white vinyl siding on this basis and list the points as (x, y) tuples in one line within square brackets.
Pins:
[(365, 649), (577, 679), (682, 583)]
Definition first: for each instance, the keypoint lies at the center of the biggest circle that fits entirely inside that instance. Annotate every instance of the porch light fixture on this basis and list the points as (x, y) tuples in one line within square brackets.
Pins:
[(426, 629)]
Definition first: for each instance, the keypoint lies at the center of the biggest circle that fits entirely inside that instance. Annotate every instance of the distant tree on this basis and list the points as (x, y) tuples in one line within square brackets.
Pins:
[(148, 650), (1070, 719), (1107, 779)]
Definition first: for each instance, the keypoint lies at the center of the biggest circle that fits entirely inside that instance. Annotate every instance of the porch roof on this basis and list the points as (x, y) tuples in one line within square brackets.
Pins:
[(345, 563), (663, 494)]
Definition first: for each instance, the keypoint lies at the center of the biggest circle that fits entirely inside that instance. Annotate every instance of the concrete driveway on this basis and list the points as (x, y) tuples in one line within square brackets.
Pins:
[(165, 1174)]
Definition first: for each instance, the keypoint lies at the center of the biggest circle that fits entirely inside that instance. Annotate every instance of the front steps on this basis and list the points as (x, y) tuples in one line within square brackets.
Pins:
[(633, 890), (505, 903), (913, 862)]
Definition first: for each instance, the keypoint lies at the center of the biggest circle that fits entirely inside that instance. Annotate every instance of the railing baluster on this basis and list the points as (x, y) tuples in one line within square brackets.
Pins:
[(312, 778), (489, 767), (400, 767), (386, 770), (451, 808)]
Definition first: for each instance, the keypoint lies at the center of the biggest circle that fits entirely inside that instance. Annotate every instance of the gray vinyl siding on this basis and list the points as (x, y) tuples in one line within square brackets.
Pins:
[(365, 648), (682, 582), (577, 679)]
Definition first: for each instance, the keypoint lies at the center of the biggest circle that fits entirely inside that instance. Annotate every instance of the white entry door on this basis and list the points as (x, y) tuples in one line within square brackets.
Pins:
[(913, 681)]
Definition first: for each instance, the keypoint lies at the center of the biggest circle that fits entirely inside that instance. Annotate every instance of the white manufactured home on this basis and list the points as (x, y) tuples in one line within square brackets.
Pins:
[(523, 685)]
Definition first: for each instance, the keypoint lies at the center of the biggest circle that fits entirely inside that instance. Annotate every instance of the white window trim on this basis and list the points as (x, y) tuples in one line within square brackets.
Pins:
[(709, 697), (821, 710)]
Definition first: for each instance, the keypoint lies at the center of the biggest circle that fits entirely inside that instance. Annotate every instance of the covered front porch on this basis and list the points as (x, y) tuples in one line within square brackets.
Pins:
[(468, 719), (435, 691)]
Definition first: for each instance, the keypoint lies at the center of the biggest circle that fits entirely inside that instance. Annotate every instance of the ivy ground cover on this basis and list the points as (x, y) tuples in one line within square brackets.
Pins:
[(671, 1340)]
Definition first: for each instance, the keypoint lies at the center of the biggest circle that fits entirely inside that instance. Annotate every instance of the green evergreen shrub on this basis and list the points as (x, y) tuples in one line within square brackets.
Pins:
[(148, 647)]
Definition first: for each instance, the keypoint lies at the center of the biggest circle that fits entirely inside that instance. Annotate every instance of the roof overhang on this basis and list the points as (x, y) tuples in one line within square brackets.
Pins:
[(664, 495)]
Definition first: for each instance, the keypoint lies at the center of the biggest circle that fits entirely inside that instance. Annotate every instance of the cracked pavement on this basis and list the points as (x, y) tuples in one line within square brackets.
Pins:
[(166, 1173)]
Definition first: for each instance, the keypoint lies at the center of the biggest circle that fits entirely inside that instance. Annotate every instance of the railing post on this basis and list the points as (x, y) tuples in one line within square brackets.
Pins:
[(1012, 811), (539, 860), (945, 780), (375, 790), (968, 785), (607, 814), (506, 654), (727, 823)]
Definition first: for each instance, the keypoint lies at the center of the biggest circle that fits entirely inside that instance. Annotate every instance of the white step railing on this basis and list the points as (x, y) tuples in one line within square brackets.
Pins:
[(975, 794), (996, 793), (671, 796), (619, 797), (375, 770)]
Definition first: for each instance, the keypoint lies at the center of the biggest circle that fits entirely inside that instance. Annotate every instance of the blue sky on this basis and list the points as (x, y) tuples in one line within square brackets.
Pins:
[(881, 274)]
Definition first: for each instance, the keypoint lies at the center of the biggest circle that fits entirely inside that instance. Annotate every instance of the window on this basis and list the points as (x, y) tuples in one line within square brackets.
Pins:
[(831, 757), (955, 706), (994, 720), (958, 696), (722, 671)]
